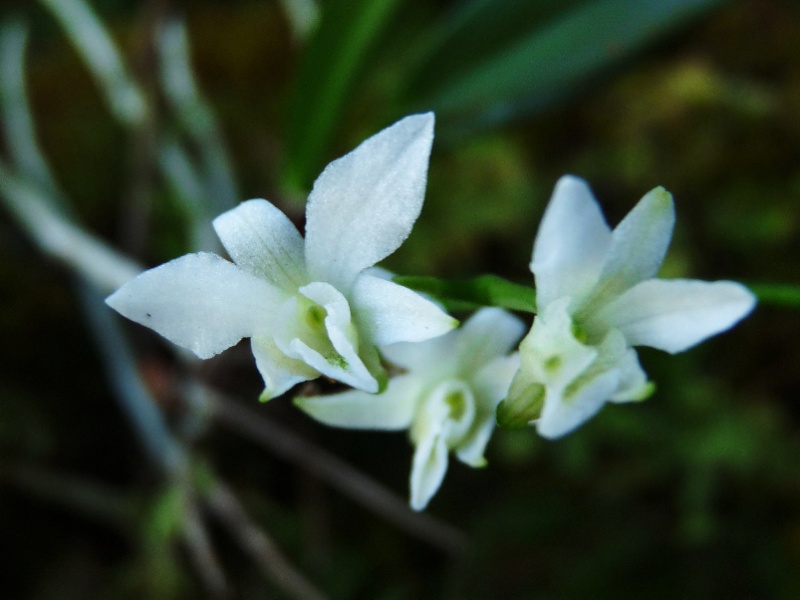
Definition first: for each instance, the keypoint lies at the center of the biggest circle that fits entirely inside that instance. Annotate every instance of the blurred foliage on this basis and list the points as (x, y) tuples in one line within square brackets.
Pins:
[(692, 494)]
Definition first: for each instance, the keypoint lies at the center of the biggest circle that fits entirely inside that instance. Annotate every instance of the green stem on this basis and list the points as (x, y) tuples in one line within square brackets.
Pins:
[(473, 293), (777, 294)]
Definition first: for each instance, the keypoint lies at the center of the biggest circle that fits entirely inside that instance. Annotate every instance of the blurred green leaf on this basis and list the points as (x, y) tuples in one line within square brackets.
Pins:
[(477, 30), (533, 70), (330, 67), (166, 516)]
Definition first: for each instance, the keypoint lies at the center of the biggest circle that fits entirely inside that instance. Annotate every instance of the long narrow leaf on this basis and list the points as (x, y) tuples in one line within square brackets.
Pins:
[(188, 188), (89, 36), (17, 120), (329, 70), (477, 30), (195, 115), (56, 236), (33, 199), (555, 58)]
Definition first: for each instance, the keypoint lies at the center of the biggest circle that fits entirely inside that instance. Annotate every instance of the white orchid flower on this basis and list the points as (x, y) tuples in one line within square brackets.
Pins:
[(446, 398), (307, 305), (597, 296)]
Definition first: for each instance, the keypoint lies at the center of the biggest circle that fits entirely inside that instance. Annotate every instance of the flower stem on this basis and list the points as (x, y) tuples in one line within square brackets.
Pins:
[(473, 293), (777, 294)]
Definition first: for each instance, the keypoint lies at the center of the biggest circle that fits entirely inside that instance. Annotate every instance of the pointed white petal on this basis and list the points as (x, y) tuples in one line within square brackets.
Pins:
[(432, 358), (491, 382), (492, 387), (639, 244), (388, 313), (488, 334), (610, 353), (471, 450), (199, 301), (280, 373), (565, 412), (674, 315), (364, 204), (263, 241), (428, 469), (392, 410), (633, 385), (571, 245)]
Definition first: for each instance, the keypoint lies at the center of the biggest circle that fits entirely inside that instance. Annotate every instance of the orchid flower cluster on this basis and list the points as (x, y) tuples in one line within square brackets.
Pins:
[(317, 306)]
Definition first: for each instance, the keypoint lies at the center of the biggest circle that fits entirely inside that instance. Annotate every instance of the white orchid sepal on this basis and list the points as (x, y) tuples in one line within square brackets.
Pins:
[(307, 304)]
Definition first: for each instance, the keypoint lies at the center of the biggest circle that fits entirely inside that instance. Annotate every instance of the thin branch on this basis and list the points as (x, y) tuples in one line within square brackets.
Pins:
[(85, 496), (201, 550), (336, 472), (261, 548), (134, 398)]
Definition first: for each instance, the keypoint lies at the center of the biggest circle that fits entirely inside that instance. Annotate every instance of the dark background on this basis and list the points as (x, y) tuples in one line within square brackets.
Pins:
[(692, 494)]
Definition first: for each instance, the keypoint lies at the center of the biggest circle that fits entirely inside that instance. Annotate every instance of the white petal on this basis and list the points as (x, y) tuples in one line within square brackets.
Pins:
[(490, 385), (448, 409), (551, 358), (471, 450), (343, 336), (388, 313), (562, 413), (380, 273), (427, 470), (638, 246), (199, 301), (550, 354), (491, 382), (263, 241), (435, 357), (315, 328), (279, 372), (359, 378), (674, 315), (462, 352), (364, 204), (571, 245), (488, 334), (392, 410), (633, 385)]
